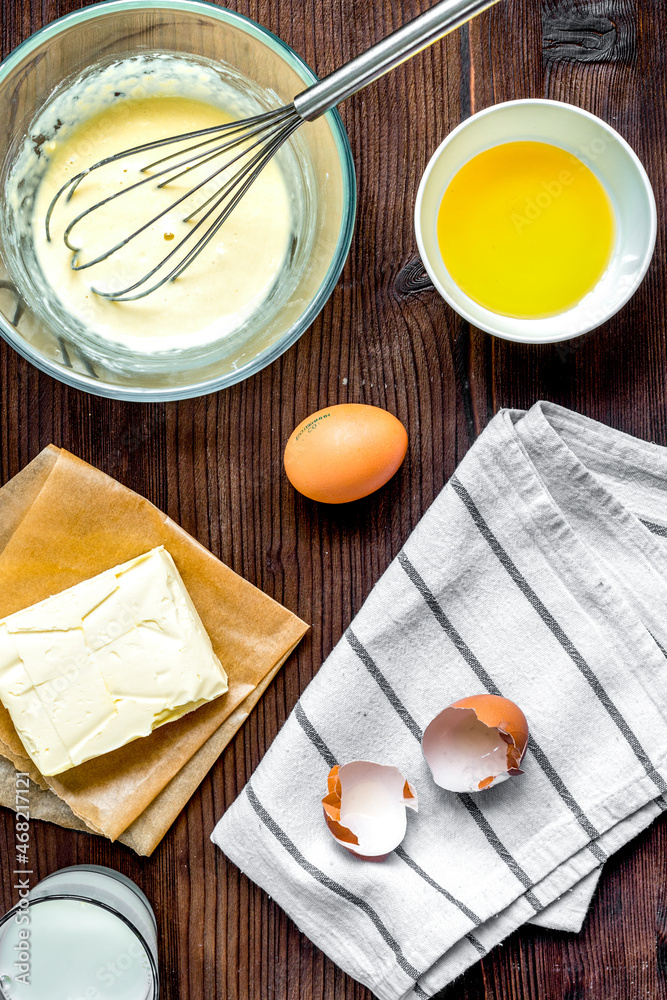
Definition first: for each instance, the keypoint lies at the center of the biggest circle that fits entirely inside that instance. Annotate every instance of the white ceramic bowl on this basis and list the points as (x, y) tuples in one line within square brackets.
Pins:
[(613, 162)]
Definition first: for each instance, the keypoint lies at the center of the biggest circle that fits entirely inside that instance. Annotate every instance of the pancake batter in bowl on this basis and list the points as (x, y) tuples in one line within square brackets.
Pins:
[(223, 287)]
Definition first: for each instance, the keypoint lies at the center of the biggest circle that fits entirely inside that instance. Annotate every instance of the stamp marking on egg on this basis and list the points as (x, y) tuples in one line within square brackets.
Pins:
[(311, 426)]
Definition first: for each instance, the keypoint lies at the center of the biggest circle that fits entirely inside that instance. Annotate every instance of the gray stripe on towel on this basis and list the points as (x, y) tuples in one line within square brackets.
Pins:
[(473, 809), (559, 634), (655, 529), (482, 675), (477, 945), (325, 752), (313, 735), (329, 883)]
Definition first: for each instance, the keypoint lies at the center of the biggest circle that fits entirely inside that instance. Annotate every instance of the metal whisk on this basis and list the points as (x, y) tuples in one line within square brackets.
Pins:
[(252, 143)]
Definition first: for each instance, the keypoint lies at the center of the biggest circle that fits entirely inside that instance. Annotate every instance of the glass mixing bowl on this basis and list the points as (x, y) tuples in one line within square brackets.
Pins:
[(320, 154)]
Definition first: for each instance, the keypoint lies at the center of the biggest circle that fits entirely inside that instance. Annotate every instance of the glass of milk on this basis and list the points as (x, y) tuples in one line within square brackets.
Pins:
[(83, 933)]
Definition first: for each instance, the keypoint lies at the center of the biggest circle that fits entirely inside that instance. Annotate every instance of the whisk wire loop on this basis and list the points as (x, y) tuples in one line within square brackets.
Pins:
[(214, 131), (186, 165), (241, 180)]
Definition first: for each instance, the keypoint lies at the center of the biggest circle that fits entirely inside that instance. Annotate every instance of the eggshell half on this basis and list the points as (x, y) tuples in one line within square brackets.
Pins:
[(476, 743), (365, 808), (345, 452)]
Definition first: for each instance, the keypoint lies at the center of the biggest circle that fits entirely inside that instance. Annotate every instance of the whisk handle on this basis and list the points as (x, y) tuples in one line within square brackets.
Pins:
[(386, 54)]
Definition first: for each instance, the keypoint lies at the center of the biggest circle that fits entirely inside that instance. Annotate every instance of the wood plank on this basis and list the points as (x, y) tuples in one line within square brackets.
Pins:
[(385, 337)]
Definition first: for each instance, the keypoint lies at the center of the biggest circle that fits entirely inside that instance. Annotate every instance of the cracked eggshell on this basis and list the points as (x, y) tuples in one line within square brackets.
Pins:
[(475, 743), (365, 808)]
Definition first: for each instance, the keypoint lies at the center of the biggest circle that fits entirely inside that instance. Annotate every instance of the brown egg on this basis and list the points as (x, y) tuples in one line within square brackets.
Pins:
[(345, 452)]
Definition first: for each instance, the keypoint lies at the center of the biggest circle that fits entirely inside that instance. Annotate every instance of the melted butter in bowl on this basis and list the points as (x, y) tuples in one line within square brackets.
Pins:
[(220, 291)]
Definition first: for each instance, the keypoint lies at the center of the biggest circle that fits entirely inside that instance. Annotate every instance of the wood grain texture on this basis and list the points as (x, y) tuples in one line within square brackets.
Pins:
[(385, 337)]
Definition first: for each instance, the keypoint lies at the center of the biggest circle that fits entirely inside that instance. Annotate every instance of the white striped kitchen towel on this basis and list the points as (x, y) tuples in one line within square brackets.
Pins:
[(540, 572)]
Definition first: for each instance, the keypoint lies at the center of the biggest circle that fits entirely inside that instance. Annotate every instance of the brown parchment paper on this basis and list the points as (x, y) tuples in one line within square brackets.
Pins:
[(149, 828), (18, 495), (74, 522)]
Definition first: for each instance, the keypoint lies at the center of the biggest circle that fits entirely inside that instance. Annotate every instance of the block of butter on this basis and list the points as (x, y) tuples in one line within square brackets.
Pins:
[(105, 662)]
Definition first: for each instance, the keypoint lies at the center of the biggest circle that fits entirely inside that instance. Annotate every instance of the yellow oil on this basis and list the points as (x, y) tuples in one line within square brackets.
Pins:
[(526, 229)]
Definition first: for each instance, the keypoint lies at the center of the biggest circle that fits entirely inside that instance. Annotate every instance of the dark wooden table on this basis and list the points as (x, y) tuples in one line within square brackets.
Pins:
[(385, 337)]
